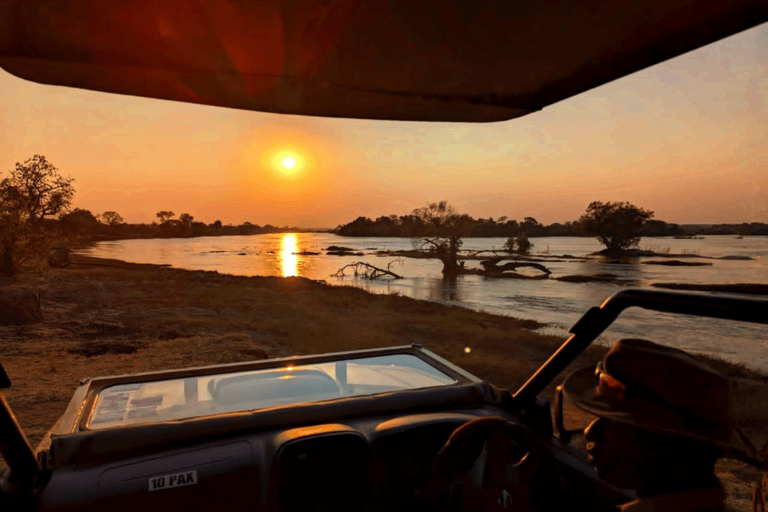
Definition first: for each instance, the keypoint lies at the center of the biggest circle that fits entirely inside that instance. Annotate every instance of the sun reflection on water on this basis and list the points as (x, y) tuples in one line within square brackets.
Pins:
[(289, 259)]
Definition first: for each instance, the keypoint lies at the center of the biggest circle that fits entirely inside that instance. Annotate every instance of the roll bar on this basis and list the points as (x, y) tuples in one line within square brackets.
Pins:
[(597, 319)]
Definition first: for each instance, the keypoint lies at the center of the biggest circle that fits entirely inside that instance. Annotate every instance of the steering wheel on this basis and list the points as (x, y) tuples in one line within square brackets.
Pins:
[(491, 464)]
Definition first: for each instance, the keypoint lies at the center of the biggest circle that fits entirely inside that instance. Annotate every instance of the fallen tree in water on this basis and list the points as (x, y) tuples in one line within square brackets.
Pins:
[(494, 268), (368, 271)]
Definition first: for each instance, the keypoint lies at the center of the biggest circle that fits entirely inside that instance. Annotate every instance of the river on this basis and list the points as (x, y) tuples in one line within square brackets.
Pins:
[(555, 303)]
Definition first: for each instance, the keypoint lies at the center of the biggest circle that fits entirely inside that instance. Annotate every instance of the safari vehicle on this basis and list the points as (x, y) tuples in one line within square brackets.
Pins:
[(381, 429)]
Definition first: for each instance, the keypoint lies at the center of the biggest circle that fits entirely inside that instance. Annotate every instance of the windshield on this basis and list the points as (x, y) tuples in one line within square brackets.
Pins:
[(175, 399)]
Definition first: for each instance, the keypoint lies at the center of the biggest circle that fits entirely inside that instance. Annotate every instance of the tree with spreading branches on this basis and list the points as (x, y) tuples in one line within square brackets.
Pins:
[(32, 192), (111, 218), (616, 225), (164, 216), (446, 229)]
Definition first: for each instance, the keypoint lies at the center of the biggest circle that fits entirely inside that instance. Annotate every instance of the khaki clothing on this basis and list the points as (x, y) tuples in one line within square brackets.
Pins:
[(710, 499)]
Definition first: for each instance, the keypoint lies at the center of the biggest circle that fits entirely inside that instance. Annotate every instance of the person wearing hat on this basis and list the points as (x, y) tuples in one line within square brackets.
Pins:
[(662, 422)]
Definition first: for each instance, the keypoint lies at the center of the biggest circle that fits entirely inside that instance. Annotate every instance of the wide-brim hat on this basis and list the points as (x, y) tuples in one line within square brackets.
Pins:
[(662, 389)]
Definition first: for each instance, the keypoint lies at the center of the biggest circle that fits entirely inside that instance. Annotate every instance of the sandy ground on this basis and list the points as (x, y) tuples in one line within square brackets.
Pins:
[(105, 317)]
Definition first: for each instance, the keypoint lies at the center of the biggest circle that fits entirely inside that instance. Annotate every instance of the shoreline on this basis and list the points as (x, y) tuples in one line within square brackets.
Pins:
[(108, 317)]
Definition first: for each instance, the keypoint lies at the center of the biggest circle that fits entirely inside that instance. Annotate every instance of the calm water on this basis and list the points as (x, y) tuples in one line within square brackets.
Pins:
[(555, 303)]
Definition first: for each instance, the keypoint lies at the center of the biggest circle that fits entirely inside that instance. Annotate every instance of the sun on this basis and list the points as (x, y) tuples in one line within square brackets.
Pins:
[(289, 162)]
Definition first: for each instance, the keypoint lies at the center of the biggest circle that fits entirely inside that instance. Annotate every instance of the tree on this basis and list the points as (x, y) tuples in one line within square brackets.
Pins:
[(111, 218), (445, 228), (11, 226), (185, 219), (31, 193), (616, 225), (524, 245), (164, 216), (79, 222), (45, 192), (519, 244)]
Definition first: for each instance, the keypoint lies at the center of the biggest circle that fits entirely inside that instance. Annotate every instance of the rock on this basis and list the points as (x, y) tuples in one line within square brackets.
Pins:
[(344, 253), (59, 257), (20, 307), (602, 277), (678, 263)]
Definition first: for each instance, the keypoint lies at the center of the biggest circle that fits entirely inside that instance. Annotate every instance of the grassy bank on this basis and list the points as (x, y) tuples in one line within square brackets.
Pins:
[(106, 317)]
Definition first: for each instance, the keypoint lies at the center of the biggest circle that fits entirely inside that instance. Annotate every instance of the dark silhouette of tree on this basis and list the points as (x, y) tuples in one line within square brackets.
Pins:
[(111, 218), (164, 216), (445, 230), (79, 222), (33, 192), (185, 218), (12, 223), (524, 245), (519, 244), (45, 192), (616, 225)]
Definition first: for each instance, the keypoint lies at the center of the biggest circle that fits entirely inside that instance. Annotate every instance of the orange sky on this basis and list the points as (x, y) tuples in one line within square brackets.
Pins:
[(687, 139)]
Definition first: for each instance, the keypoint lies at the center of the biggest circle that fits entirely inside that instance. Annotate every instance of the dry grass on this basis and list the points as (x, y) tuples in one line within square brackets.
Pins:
[(104, 317)]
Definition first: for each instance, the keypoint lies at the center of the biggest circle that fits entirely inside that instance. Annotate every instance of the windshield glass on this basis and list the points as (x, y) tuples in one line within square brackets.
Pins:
[(174, 399)]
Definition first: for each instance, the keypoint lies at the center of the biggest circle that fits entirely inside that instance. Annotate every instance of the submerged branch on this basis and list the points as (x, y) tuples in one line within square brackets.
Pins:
[(493, 268), (368, 271)]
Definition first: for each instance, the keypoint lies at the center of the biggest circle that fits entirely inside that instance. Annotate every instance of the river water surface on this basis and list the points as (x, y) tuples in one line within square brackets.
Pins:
[(555, 303)]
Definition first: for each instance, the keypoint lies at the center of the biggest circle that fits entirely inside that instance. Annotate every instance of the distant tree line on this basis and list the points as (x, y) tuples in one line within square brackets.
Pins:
[(109, 225), (414, 226)]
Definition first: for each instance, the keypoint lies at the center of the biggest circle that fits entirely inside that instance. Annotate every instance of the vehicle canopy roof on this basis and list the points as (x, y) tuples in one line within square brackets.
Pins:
[(434, 60)]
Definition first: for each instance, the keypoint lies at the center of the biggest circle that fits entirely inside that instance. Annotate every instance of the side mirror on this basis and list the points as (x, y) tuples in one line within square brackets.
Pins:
[(564, 434)]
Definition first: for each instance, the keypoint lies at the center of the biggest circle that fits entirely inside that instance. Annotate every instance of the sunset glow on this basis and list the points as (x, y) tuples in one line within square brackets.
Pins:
[(696, 123), (289, 259)]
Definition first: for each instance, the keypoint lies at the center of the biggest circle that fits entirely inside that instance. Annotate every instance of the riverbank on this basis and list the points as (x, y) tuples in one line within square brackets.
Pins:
[(106, 317)]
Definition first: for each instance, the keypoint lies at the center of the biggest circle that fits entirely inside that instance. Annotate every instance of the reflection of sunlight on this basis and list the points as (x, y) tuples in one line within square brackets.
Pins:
[(288, 258)]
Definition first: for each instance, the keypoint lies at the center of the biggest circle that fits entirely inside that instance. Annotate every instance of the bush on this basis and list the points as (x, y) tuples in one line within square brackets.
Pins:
[(524, 245), (519, 244)]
